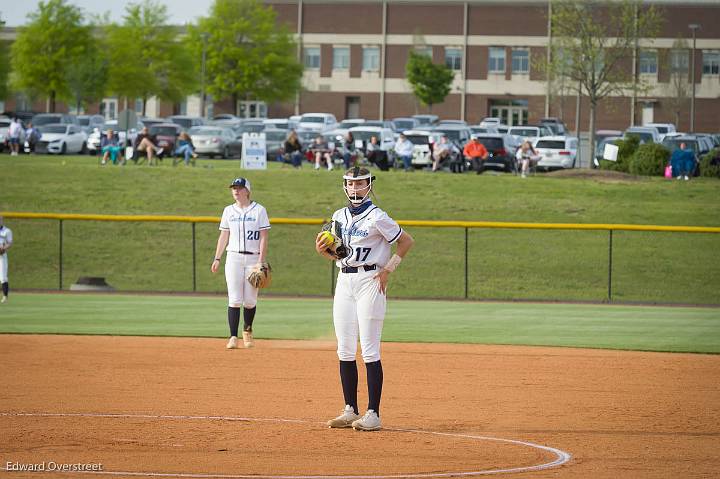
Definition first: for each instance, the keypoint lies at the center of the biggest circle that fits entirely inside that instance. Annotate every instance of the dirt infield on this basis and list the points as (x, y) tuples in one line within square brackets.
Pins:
[(93, 399)]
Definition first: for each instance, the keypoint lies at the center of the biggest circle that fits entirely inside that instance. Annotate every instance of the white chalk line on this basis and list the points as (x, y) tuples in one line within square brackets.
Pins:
[(561, 457)]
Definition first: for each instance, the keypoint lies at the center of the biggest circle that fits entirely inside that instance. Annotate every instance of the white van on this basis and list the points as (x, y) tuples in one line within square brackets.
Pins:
[(317, 122)]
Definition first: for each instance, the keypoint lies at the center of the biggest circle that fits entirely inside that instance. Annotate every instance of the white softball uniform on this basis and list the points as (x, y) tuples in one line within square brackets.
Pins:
[(243, 250), (5, 239), (359, 305)]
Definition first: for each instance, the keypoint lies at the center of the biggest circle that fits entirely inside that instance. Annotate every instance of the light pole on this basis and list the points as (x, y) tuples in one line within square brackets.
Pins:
[(694, 27), (205, 36)]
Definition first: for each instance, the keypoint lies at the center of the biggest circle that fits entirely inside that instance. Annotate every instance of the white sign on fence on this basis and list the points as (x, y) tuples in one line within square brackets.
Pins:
[(254, 151), (611, 151)]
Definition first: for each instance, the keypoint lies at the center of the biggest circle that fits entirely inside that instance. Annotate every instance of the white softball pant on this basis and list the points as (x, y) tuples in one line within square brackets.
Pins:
[(359, 306), (237, 269), (3, 268)]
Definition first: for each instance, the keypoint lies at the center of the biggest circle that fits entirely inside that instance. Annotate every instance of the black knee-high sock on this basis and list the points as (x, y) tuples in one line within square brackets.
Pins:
[(248, 317), (349, 380), (375, 382), (5, 288), (233, 320)]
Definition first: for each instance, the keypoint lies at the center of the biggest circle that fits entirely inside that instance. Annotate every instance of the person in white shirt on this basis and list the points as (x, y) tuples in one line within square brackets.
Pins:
[(244, 235), (14, 136), (6, 240), (368, 233), (404, 149)]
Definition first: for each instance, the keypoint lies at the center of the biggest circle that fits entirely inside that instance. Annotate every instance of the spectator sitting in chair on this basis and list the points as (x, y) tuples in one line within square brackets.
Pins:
[(476, 153), (348, 150), (405, 149), (109, 145), (525, 154), (186, 148), (321, 153), (376, 155), (441, 151), (147, 143), (683, 162), (293, 150)]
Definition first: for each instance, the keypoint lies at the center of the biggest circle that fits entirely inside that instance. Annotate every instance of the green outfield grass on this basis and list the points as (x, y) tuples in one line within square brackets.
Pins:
[(502, 264), (679, 329)]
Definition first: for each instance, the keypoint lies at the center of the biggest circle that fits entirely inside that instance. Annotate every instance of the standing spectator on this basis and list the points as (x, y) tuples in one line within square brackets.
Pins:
[(476, 153), (293, 149), (525, 154), (404, 150), (441, 151), (376, 155), (110, 147), (14, 136), (321, 152), (32, 136), (147, 143), (683, 162), (186, 148), (6, 241), (348, 149)]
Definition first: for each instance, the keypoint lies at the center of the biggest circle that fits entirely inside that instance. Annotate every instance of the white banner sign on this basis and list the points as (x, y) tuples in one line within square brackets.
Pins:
[(611, 152), (254, 151)]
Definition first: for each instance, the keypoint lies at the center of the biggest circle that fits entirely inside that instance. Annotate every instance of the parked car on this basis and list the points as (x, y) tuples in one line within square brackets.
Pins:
[(600, 149), (490, 120), (556, 152), (693, 142), (423, 141), (226, 116), (151, 121), (662, 128), (501, 128), (405, 123), (380, 123), (426, 120), (249, 126), (527, 132), (4, 129), (453, 122), (274, 142), (647, 134), (501, 151), (318, 122), (277, 124), (53, 118), (166, 135), (362, 134), (186, 122), (343, 127), (59, 138), (483, 129), (90, 122), (600, 134), (215, 141), (555, 124), (457, 134)]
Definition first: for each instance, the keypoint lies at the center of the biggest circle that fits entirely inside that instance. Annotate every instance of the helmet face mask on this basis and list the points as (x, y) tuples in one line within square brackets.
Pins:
[(357, 195)]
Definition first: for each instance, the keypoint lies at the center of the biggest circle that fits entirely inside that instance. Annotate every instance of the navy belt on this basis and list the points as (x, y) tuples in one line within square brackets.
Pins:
[(353, 269), (245, 252)]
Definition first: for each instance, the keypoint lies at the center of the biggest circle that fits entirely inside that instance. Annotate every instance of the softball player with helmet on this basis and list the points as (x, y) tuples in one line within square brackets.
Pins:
[(360, 295), (6, 240), (244, 235)]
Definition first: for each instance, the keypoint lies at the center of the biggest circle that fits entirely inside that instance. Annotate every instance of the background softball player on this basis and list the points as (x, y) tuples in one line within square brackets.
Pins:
[(359, 305), (6, 240), (244, 235)]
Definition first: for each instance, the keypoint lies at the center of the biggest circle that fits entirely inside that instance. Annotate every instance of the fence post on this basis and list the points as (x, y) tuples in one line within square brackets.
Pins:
[(610, 241), (60, 258), (466, 262), (332, 278), (193, 258)]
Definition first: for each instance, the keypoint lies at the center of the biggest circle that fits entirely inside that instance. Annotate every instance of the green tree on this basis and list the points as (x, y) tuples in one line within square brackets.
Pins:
[(592, 41), (53, 40), (430, 83), (249, 56), (88, 75), (146, 57), (4, 69)]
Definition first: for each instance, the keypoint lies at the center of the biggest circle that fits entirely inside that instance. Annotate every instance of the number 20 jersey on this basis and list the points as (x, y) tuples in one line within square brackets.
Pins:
[(369, 236), (244, 225)]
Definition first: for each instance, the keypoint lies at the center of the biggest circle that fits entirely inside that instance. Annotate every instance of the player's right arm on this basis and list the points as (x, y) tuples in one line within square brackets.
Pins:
[(221, 245)]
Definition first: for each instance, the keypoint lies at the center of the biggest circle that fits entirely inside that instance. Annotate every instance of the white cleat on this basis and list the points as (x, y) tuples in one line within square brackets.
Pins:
[(248, 339), (4, 299), (232, 343), (369, 422), (345, 419)]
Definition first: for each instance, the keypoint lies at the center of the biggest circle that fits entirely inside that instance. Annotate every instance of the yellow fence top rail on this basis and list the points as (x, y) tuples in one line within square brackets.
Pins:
[(417, 223)]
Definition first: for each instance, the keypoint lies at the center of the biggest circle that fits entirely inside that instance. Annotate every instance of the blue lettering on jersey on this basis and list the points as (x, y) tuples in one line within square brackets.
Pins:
[(355, 231), (246, 219)]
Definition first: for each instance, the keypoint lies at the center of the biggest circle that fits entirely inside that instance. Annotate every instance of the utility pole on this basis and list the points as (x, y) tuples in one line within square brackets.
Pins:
[(694, 27)]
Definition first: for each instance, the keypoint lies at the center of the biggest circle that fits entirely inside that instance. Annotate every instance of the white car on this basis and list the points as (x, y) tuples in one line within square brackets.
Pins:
[(647, 134), (527, 132), (317, 122), (362, 134), (60, 138), (422, 141), (556, 152), (663, 128)]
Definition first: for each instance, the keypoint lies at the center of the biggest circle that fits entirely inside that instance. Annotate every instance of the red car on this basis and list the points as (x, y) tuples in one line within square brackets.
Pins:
[(165, 135)]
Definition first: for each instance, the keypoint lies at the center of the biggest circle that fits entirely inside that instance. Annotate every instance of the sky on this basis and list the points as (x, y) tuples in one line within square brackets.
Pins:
[(14, 12)]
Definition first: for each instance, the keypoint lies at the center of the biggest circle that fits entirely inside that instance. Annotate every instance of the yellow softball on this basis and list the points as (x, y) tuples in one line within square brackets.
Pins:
[(328, 237)]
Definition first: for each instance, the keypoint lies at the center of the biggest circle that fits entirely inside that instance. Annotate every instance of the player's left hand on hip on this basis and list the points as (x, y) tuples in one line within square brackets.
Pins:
[(382, 276)]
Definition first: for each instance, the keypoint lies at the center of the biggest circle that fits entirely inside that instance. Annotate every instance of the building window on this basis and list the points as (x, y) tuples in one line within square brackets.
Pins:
[(711, 62), (496, 63), (341, 58), (520, 61), (371, 59), (453, 58), (648, 61), (312, 57), (679, 61)]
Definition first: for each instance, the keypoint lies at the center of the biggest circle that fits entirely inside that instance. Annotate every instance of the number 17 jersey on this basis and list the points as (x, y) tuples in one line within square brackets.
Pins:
[(369, 236)]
